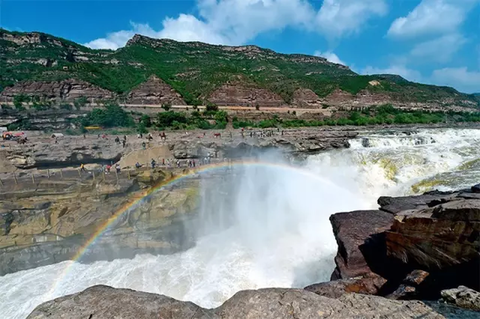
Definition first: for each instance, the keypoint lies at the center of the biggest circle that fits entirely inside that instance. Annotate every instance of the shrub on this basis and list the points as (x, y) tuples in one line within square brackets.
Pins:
[(110, 116), (141, 128), (167, 119), (146, 121), (67, 107)]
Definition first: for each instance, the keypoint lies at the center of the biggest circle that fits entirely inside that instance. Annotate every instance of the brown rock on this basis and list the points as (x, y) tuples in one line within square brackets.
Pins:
[(241, 95), (409, 289), (306, 98), (369, 285), (155, 92), (443, 236), (66, 90), (351, 231)]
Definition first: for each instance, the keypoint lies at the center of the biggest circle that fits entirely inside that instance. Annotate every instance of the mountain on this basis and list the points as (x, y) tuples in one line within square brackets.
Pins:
[(156, 71)]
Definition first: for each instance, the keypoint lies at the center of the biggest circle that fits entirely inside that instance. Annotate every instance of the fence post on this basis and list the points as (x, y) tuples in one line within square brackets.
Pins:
[(1, 182), (15, 178), (128, 173), (79, 173), (61, 173), (93, 173), (48, 173), (33, 178), (116, 175)]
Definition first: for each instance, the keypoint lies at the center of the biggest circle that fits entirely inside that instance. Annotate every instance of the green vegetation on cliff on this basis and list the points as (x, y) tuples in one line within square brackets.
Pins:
[(114, 116), (196, 69), (111, 115), (385, 114)]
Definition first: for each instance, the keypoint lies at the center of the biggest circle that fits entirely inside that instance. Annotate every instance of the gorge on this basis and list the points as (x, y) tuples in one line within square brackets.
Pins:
[(260, 224)]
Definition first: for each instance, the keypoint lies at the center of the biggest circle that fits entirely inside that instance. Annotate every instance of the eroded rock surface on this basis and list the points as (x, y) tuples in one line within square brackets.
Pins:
[(420, 245), (463, 297), (66, 90), (351, 231), (155, 92), (50, 221), (104, 302), (241, 95), (42, 152)]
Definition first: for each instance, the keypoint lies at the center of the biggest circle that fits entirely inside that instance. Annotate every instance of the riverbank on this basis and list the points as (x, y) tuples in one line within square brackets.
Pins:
[(44, 152)]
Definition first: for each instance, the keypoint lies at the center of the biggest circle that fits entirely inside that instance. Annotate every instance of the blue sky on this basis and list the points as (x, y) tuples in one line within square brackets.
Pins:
[(430, 41)]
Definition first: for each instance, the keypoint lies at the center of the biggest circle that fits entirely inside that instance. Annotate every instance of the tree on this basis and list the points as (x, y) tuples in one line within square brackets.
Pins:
[(166, 106), (110, 116), (211, 107), (145, 119), (141, 128)]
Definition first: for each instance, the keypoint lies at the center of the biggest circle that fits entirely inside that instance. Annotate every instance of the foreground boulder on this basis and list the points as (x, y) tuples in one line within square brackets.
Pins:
[(102, 302), (351, 231), (463, 297), (419, 245)]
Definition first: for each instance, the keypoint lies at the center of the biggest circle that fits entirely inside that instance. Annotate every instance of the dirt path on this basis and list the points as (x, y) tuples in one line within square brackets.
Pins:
[(234, 108)]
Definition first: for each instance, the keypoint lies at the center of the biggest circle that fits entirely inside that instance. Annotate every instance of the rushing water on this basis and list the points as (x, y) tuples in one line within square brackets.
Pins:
[(278, 233)]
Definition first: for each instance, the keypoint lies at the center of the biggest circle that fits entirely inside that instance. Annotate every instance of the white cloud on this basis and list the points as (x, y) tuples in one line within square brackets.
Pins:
[(460, 78), (232, 22), (235, 22), (340, 17), (118, 39), (330, 56), (441, 49), (402, 70), (242, 20), (432, 17)]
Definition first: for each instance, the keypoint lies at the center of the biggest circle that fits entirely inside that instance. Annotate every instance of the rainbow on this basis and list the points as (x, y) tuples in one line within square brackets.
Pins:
[(138, 199)]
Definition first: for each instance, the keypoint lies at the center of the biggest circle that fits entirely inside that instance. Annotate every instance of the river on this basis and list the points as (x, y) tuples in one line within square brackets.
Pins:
[(278, 233)]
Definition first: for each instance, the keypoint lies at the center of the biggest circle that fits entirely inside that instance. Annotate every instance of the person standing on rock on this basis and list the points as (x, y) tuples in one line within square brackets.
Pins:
[(153, 163), (82, 168), (124, 142)]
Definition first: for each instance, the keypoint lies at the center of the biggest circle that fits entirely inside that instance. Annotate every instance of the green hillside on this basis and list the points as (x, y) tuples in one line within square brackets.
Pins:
[(197, 69)]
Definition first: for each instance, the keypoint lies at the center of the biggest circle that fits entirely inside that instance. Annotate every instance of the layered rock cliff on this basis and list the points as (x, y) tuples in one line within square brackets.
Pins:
[(154, 91), (65, 91)]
